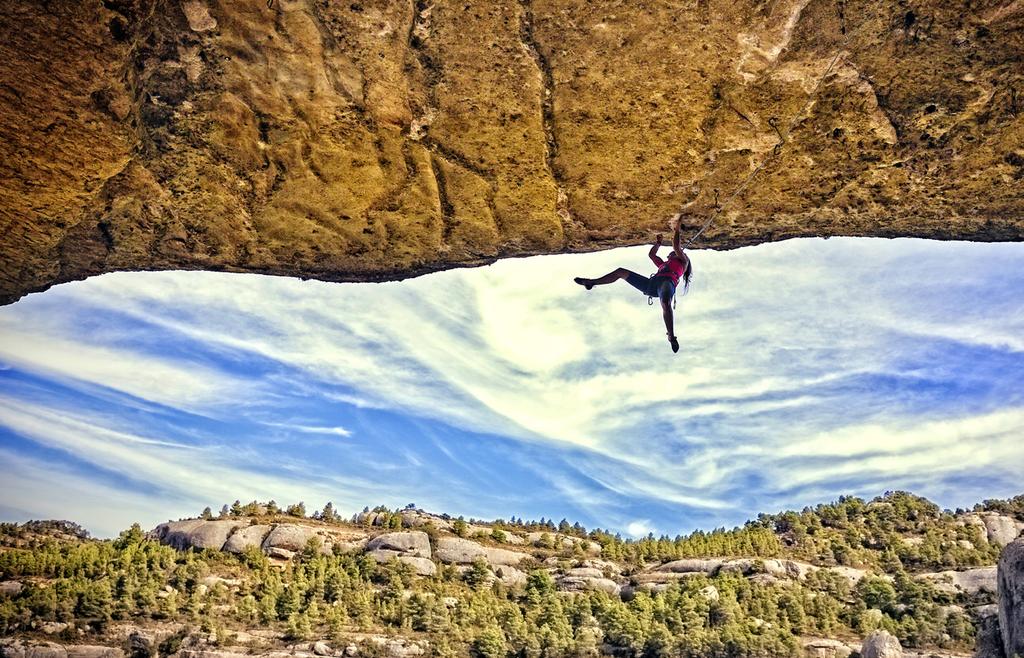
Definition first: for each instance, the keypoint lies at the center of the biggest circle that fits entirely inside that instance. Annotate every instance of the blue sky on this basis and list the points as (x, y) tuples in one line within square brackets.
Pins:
[(808, 369)]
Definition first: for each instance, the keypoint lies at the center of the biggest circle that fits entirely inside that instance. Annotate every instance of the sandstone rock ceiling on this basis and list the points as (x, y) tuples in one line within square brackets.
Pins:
[(375, 139)]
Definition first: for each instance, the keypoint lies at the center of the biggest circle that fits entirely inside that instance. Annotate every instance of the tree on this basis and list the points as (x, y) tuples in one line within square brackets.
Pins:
[(130, 537), (207, 514), (478, 575), (490, 643)]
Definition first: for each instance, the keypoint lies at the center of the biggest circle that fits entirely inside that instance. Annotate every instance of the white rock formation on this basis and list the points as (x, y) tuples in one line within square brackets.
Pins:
[(880, 644)]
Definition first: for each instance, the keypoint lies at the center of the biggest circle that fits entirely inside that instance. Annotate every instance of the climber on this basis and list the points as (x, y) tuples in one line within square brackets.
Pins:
[(662, 284)]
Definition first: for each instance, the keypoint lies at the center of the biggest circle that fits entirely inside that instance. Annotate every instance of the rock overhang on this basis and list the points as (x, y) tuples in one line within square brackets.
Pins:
[(381, 139)]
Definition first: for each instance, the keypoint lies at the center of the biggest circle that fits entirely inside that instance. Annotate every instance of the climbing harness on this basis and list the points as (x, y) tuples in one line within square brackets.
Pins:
[(773, 122), (650, 299)]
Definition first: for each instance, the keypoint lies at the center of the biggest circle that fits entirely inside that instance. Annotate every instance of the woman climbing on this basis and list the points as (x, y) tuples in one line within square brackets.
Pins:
[(661, 285)]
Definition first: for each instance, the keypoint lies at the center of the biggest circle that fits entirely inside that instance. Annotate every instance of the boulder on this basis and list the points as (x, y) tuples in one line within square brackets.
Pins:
[(793, 569), (322, 649), (576, 581), (974, 521), (690, 565), (93, 651), (398, 647), (247, 537), (415, 543), (1011, 598), (141, 644), (53, 627), (880, 644), (1001, 529), (280, 553), (510, 576), (370, 518), (196, 533), (743, 566), (764, 579), (12, 648), (11, 588), (585, 572), (453, 550), (209, 653), (606, 566), (968, 581), (710, 593), (176, 533), (664, 577), (420, 565), (290, 537), (821, 647)]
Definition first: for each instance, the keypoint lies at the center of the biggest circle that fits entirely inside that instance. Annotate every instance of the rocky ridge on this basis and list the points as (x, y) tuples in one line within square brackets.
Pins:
[(435, 563), (422, 552), (375, 140)]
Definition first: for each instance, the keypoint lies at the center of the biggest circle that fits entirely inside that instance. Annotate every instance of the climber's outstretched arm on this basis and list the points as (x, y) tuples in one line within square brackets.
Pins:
[(676, 240), (653, 253)]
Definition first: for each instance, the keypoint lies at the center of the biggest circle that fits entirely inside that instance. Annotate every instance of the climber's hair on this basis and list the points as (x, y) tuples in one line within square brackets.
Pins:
[(687, 274)]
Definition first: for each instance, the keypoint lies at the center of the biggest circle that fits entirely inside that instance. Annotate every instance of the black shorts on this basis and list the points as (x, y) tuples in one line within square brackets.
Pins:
[(655, 286)]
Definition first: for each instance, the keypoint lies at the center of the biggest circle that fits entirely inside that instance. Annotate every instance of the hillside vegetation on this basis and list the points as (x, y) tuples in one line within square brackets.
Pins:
[(854, 566)]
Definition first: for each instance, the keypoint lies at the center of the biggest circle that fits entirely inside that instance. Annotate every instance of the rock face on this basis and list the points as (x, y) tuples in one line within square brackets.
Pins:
[(823, 647), (678, 569), (1011, 598), (1001, 529), (411, 548), (93, 651), (587, 578), (370, 140), (290, 537), (415, 543), (463, 551), (247, 537), (880, 644), (11, 648), (969, 581), (196, 533), (988, 641), (280, 540)]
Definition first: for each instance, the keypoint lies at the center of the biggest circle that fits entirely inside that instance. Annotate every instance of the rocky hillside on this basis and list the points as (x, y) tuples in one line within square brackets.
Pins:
[(378, 139), (881, 578)]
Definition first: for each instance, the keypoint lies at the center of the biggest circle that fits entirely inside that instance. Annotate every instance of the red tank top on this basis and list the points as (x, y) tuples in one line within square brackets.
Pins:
[(673, 268)]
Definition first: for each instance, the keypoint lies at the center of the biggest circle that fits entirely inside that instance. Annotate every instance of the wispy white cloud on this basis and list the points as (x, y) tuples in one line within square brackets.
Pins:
[(802, 361), (73, 360), (313, 429)]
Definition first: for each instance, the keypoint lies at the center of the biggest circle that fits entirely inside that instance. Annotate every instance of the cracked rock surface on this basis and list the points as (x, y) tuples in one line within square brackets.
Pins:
[(377, 139)]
